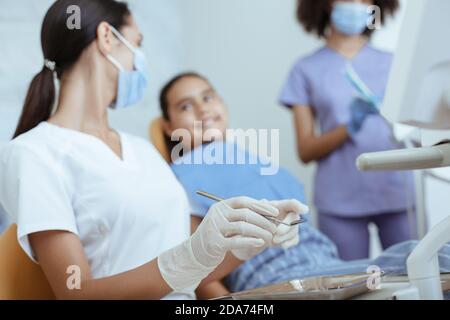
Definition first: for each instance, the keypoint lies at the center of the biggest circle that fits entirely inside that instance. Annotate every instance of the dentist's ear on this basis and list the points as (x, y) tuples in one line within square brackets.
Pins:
[(105, 38)]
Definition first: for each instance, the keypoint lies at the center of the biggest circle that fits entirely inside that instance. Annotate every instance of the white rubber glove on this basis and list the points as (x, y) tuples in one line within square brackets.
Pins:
[(290, 210), (229, 225), (285, 237)]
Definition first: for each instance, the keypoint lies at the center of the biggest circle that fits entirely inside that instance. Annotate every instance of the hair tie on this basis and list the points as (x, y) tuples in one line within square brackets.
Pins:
[(51, 65)]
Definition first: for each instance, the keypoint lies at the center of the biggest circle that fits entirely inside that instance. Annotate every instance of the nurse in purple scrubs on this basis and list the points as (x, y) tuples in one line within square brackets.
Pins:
[(319, 95)]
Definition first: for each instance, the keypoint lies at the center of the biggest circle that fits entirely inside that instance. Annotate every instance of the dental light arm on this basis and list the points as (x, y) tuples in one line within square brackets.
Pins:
[(407, 159), (423, 264), (418, 95)]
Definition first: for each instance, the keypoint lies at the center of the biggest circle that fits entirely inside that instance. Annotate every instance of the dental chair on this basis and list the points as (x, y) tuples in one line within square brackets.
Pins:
[(20, 278)]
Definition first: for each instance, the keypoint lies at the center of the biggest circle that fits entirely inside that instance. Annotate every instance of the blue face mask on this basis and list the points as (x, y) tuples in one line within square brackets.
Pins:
[(350, 18), (131, 84)]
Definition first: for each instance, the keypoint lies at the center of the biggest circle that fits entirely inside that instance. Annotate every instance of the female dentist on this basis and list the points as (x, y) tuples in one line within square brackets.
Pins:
[(318, 92), (98, 209)]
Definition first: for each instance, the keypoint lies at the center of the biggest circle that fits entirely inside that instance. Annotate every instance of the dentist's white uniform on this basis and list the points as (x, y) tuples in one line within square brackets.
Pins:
[(126, 211)]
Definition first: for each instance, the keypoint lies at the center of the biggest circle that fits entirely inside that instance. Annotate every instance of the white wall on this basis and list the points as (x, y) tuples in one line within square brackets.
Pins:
[(20, 59)]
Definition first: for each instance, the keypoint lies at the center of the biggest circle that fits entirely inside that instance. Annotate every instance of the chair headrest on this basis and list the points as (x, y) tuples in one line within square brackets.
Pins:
[(157, 137), (20, 278)]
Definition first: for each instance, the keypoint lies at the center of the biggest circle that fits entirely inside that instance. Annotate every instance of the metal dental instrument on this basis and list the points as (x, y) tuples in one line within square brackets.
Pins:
[(215, 198)]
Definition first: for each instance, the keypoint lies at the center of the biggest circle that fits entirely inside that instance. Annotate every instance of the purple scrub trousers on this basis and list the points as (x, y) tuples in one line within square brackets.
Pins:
[(351, 235)]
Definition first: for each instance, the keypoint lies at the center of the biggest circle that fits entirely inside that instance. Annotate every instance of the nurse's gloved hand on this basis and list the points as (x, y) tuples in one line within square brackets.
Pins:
[(233, 224), (360, 109), (290, 211)]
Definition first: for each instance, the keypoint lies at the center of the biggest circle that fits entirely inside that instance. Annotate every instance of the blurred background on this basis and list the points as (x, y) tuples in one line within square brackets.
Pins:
[(245, 48)]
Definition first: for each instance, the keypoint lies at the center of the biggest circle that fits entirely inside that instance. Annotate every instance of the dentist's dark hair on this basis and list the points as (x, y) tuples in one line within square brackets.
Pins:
[(63, 46)]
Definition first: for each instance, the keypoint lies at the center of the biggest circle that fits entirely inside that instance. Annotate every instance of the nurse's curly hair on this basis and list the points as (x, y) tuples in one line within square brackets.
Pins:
[(314, 15)]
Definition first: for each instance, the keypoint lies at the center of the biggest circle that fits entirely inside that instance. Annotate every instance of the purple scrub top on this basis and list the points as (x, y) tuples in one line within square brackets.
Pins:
[(318, 81)]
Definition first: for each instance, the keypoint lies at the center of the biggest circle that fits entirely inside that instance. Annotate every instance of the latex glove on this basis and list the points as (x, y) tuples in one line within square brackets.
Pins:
[(285, 237), (245, 254), (360, 110), (290, 210), (229, 225)]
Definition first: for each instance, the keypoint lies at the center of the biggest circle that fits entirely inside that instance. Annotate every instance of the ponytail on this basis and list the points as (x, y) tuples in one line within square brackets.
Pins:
[(38, 103)]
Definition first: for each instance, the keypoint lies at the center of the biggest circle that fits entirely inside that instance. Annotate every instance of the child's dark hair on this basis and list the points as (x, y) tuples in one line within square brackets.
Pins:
[(314, 15), (164, 103)]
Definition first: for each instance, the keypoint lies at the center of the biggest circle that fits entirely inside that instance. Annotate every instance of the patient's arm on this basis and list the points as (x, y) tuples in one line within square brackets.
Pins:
[(216, 288), (212, 290)]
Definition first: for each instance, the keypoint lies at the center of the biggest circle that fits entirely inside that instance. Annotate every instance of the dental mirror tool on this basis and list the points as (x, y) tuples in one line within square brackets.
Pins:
[(218, 199)]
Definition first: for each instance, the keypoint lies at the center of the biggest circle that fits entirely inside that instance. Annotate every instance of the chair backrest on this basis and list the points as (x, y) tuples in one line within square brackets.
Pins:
[(156, 134), (20, 278)]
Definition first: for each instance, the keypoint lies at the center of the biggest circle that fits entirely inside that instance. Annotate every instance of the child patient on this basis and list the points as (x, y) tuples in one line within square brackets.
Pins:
[(190, 98)]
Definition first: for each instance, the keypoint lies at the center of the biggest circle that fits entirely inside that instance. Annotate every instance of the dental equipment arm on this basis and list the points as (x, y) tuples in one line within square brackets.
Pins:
[(418, 95), (407, 159), (423, 263), (423, 266)]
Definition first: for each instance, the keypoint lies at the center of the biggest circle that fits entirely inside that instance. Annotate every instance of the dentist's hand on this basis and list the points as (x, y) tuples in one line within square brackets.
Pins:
[(285, 237), (230, 225), (233, 224), (290, 210)]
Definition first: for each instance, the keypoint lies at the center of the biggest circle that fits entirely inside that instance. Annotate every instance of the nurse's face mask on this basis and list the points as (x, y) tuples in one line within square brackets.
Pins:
[(131, 85), (350, 18)]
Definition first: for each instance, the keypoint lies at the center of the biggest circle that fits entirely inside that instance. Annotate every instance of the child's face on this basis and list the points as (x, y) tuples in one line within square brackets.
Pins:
[(192, 100)]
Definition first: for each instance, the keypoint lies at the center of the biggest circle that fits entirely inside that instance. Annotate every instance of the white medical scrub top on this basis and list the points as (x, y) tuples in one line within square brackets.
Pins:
[(126, 211)]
